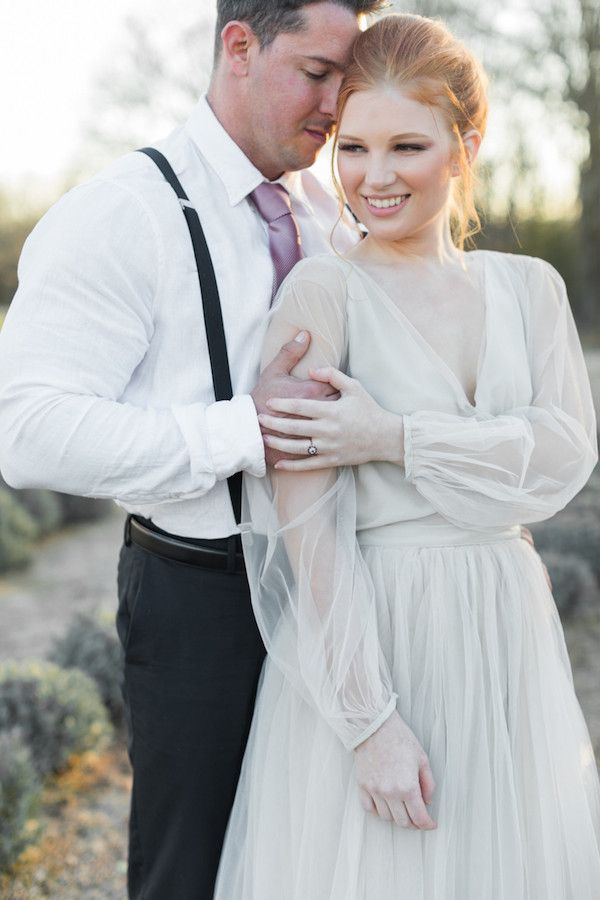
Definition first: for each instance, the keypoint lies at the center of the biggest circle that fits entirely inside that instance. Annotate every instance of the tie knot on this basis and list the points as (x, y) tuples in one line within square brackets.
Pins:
[(271, 200)]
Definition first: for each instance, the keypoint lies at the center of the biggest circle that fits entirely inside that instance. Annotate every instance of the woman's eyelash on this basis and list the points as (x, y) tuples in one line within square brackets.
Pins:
[(316, 76), (353, 147)]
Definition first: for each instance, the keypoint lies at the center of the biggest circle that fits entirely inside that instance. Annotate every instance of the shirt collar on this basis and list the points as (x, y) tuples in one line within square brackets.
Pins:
[(229, 162), (239, 176)]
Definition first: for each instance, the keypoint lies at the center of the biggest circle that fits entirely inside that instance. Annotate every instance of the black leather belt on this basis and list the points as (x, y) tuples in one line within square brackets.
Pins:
[(223, 554)]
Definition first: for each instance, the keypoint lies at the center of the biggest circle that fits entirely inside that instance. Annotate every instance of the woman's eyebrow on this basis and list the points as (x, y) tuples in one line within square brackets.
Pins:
[(395, 137)]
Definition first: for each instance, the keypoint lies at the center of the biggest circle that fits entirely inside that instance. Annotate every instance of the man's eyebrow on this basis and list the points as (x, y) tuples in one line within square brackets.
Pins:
[(330, 63)]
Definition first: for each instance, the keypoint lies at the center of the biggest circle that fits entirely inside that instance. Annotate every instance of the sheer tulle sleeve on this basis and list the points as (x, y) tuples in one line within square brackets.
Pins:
[(525, 465), (312, 594)]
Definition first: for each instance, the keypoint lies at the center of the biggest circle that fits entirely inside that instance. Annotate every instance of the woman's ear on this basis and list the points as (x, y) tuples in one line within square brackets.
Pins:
[(237, 38), (471, 142)]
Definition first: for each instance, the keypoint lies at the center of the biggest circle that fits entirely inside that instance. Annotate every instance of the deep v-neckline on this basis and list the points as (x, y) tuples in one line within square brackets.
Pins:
[(424, 343)]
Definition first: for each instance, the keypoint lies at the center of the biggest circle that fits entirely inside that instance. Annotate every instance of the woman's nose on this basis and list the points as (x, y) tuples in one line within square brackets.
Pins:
[(379, 175)]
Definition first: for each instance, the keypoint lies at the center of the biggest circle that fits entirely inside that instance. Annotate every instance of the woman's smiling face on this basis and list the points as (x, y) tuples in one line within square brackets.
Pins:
[(396, 160)]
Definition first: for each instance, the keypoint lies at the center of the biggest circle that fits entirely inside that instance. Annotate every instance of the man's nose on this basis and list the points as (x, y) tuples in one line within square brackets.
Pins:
[(331, 89)]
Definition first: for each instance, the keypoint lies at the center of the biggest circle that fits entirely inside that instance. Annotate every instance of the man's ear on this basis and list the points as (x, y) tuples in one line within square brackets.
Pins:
[(237, 38)]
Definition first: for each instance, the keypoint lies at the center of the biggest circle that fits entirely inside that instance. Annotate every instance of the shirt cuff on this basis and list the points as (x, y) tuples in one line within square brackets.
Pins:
[(234, 437), (408, 447), (377, 723)]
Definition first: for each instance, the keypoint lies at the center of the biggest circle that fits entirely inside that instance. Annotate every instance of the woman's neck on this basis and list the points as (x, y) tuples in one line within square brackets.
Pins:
[(432, 245)]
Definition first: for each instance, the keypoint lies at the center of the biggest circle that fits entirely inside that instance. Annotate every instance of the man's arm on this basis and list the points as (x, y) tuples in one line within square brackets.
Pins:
[(80, 324), (353, 430)]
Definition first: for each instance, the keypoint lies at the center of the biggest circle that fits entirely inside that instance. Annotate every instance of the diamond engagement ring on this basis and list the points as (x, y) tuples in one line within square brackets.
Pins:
[(312, 448)]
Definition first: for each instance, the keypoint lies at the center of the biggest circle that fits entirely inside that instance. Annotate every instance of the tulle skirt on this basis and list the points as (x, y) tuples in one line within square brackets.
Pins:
[(477, 654)]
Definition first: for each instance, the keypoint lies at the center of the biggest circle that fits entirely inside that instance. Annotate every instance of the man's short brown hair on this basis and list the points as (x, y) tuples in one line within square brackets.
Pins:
[(268, 18)]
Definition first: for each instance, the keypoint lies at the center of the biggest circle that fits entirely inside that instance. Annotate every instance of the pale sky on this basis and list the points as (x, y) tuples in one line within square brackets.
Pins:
[(52, 52)]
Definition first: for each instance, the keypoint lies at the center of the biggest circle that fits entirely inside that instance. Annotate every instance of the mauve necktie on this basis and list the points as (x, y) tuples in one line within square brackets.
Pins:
[(273, 203)]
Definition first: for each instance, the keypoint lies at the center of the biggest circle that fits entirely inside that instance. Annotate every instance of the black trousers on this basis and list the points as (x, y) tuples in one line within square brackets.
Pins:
[(193, 655)]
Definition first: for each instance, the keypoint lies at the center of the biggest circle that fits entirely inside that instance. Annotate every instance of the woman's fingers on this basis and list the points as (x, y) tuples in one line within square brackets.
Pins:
[(319, 461), (290, 427), (418, 811), (400, 813), (426, 781), (383, 810), (297, 446), (298, 407), (366, 801), (333, 376)]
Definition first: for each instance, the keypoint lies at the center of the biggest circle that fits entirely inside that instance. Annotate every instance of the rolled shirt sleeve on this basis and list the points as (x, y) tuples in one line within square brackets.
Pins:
[(81, 322)]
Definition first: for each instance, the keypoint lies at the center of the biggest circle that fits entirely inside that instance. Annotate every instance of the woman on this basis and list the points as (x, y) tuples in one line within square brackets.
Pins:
[(416, 733)]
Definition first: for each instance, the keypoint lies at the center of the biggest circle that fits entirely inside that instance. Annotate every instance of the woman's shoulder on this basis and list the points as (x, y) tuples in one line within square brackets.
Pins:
[(325, 270), (521, 264), (533, 278)]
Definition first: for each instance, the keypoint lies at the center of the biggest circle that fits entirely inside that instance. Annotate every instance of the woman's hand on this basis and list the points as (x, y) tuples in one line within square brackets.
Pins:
[(347, 432), (394, 776)]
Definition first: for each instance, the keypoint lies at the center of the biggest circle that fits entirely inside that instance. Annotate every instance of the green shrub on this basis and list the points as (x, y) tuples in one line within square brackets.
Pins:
[(574, 532), (59, 712), (82, 509), (18, 531), (43, 507), (91, 644), (19, 794), (573, 582)]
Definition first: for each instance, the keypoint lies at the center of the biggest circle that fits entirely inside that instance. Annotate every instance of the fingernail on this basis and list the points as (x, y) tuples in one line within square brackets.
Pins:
[(301, 337)]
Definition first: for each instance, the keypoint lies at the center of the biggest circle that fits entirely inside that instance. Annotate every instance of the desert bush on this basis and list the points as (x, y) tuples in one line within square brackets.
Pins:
[(44, 508), (82, 509), (91, 645), (59, 712), (574, 532), (573, 582), (18, 531), (19, 793)]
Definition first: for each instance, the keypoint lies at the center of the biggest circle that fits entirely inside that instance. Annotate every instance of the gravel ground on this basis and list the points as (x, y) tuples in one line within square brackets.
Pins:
[(72, 570)]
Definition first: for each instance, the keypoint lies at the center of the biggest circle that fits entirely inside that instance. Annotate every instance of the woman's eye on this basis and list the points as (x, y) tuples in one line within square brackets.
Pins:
[(316, 76), (409, 147), (350, 148)]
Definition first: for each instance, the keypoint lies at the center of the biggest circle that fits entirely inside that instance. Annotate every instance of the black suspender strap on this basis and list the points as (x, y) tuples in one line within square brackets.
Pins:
[(211, 304)]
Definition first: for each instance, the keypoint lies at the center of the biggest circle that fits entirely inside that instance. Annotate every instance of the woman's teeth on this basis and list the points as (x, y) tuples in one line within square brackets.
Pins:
[(384, 204)]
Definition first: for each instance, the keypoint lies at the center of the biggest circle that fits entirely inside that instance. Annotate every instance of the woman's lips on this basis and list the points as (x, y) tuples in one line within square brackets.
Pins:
[(381, 211)]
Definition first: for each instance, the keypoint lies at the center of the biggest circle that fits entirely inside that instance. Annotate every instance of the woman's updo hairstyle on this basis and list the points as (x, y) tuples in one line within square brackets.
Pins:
[(419, 54)]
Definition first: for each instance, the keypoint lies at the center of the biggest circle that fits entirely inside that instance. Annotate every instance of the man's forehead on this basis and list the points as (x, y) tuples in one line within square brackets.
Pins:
[(328, 35)]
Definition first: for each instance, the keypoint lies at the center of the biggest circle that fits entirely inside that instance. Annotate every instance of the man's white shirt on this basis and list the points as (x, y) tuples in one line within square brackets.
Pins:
[(105, 381)]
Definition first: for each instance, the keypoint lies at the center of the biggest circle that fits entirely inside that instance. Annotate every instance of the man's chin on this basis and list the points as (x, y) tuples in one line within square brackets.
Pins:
[(297, 158)]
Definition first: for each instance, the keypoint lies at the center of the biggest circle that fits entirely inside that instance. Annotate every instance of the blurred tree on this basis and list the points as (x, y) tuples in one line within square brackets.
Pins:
[(570, 34), (543, 59), (15, 225), (150, 85)]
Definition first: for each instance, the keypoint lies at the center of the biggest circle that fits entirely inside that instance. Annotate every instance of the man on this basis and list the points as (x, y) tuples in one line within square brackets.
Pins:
[(106, 391)]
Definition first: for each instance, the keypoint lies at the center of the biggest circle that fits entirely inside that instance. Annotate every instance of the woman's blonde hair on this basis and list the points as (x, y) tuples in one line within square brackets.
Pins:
[(420, 54)]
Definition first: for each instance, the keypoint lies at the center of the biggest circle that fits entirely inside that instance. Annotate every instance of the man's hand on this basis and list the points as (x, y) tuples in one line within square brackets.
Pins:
[(351, 431), (276, 381)]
